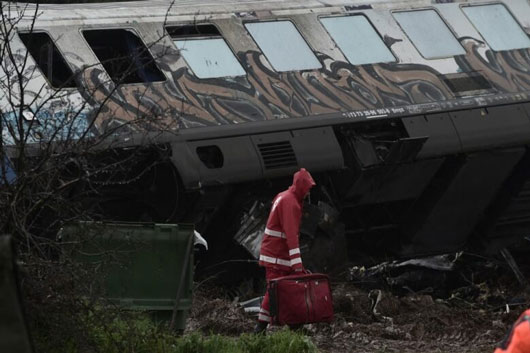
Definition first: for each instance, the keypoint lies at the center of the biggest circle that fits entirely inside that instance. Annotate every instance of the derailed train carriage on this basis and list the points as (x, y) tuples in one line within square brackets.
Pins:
[(413, 116)]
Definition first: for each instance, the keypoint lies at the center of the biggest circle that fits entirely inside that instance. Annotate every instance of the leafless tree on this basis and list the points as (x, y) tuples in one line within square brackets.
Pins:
[(58, 161), (54, 154)]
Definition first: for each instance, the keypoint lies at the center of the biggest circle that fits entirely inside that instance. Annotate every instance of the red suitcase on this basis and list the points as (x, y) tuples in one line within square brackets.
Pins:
[(300, 299)]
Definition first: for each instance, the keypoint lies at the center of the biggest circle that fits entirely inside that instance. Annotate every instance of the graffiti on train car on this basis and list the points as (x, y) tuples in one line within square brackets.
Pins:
[(45, 124), (358, 91)]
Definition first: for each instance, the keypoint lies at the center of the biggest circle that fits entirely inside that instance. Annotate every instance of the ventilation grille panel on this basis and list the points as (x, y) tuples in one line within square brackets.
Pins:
[(277, 155)]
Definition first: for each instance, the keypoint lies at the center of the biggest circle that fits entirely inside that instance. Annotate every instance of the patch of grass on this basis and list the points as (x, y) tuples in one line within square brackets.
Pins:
[(159, 342), (284, 341), (138, 334)]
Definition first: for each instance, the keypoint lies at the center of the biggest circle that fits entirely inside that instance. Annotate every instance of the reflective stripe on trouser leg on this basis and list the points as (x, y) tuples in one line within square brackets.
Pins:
[(264, 318), (270, 274), (264, 314)]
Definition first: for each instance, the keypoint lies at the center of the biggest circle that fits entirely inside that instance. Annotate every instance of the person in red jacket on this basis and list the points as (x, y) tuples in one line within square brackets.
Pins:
[(280, 251), (518, 339)]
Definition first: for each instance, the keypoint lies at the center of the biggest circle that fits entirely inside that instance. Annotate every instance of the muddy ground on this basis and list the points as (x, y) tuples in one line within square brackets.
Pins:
[(469, 309)]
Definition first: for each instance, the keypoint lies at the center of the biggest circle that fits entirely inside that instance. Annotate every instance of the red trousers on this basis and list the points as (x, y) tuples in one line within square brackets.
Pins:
[(270, 274)]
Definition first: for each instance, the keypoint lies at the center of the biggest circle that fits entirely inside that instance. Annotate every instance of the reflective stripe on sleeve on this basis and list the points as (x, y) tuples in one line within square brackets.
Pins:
[(298, 260), (273, 260), (294, 251), (274, 233)]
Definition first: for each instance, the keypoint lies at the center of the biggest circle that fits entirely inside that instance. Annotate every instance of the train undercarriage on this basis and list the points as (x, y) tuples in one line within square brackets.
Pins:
[(402, 188)]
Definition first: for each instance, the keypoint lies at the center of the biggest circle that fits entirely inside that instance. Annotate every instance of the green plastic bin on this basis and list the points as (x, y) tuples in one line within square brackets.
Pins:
[(141, 266), (14, 333)]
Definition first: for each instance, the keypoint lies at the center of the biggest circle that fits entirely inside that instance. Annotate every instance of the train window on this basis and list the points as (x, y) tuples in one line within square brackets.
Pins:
[(48, 59), (123, 55), (357, 39), (497, 26), (194, 30), (283, 45), (205, 51), (429, 33)]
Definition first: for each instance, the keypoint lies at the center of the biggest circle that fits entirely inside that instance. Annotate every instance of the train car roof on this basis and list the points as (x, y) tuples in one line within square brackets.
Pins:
[(154, 10)]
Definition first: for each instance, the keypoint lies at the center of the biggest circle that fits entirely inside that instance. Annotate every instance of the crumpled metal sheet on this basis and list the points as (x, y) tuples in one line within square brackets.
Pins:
[(414, 273), (444, 262), (251, 229), (252, 305)]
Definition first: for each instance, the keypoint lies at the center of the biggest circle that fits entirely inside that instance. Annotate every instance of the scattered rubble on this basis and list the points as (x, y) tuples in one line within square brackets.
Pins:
[(479, 303)]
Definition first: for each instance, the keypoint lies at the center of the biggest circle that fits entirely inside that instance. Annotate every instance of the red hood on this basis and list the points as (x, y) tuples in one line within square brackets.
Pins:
[(302, 183)]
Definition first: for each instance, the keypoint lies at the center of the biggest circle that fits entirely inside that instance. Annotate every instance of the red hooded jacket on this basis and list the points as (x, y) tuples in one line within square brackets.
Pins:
[(518, 339), (279, 247)]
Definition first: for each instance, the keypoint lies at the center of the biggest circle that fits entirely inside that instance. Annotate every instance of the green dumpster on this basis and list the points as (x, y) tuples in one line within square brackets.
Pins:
[(139, 266), (14, 333)]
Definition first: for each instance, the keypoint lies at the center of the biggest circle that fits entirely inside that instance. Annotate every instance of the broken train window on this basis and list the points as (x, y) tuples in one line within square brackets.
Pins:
[(123, 55), (205, 51), (283, 45), (498, 27), (429, 33), (48, 59), (358, 39)]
